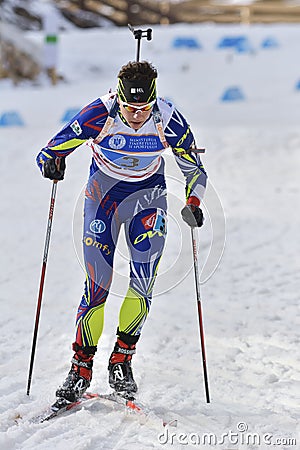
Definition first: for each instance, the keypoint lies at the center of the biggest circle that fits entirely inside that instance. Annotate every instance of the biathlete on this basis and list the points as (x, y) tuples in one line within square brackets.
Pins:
[(127, 132)]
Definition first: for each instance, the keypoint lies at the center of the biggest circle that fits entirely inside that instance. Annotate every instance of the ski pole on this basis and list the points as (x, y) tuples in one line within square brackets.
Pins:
[(199, 308), (42, 280), (139, 34)]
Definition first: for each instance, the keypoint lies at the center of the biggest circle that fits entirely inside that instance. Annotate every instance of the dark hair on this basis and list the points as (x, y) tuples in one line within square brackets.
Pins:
[(140, 70)]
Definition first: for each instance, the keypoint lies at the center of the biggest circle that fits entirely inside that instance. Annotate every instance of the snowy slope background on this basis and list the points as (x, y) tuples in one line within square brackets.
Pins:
[(250, 304)]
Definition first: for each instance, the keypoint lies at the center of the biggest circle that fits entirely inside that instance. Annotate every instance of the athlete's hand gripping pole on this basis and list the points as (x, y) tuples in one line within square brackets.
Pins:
[(199, 308), (42, 280)]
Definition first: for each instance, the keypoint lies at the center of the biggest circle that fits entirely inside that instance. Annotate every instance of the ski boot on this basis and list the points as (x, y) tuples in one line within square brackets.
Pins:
[(79, 378), (120, 372)]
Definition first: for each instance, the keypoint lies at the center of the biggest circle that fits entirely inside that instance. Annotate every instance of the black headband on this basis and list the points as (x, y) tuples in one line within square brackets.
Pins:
[(137, 91)]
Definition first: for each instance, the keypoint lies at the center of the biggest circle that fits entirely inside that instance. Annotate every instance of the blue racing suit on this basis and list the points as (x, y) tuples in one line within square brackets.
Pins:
[(126, 186)]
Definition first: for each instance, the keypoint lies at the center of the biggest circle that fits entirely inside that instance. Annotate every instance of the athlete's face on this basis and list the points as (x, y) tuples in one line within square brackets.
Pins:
[(136, 114)]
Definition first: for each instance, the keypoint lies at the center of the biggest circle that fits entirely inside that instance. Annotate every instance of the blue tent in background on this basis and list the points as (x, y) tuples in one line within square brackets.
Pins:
[(239, 43), (186, 42), (269, 42), (11, 119), (232, 94)]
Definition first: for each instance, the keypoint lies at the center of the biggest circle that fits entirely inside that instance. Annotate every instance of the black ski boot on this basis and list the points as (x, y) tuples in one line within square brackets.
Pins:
[(79, 378), (120, 372)]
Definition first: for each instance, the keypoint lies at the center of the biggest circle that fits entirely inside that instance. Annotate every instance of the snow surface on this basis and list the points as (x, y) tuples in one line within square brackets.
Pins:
[(250, 304)]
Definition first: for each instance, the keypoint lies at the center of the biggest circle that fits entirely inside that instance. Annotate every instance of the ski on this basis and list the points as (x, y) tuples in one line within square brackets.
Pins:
[(62, 406), (129, 404)]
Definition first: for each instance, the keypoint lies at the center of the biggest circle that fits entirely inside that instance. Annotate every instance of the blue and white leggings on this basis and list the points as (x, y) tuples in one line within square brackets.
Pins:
[(141, 206)]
